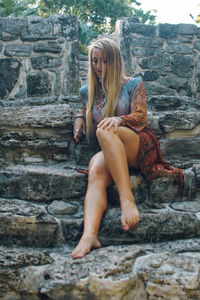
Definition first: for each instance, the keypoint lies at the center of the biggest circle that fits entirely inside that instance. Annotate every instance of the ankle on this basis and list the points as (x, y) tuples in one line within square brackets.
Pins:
[(126, 201), (126, 197), (90, 234)]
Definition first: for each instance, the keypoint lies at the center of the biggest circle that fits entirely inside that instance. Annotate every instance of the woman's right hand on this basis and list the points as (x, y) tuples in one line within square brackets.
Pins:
[(78, 125)]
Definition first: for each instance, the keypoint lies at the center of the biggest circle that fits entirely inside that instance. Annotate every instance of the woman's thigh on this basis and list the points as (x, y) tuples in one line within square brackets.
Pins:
[(131, 141), (98, 170)]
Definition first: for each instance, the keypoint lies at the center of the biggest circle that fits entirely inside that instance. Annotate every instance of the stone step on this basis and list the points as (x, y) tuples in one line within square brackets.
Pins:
[(43, 207), (180, 152), (173, 221), (178, 133), (42, 134), (168, 270), (35, 134), (60, 216), (59, 182), (31, 224), (156, 103), (27, 224), (175, 124), (163, 103), (41, 183)]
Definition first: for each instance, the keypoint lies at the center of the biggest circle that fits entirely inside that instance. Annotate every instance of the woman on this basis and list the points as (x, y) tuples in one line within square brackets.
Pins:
[(115, 109)]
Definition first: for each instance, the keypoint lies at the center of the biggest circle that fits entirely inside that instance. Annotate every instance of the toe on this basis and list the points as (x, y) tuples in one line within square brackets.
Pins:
[(124, 224), (75, 253)]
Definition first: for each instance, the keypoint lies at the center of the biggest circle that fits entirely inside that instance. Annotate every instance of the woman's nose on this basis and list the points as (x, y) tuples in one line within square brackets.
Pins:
[(99, 64)]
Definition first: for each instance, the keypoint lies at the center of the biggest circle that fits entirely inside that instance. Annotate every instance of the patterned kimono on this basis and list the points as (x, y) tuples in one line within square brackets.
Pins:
[(131, 108)]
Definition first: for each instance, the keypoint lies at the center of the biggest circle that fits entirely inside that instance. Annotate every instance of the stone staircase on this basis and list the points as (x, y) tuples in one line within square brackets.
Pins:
[(42, 209)]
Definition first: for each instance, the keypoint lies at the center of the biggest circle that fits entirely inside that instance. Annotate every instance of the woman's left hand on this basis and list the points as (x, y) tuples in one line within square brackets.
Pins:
[(108, 123)]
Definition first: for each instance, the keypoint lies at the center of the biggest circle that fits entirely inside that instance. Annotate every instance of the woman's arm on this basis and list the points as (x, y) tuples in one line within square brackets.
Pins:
[(138, 110), (79, 123)]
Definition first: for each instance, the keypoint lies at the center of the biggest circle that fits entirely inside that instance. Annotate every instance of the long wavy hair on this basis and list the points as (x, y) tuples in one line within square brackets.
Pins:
[(111, 82)]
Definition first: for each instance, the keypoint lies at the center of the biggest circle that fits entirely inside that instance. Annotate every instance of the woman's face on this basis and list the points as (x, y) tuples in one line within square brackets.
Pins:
[(99, 62)]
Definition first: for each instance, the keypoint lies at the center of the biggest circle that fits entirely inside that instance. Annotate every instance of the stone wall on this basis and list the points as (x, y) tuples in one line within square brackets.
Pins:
[(38, 57), (166, 56)]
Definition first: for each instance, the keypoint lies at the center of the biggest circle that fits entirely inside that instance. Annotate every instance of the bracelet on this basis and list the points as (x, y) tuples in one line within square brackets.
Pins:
[(80, 116)]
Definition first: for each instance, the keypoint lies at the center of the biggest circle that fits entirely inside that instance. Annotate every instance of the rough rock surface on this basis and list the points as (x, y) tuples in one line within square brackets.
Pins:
[(38, 57), (146, 271), (42, 210), (9, 73), (166, 56)]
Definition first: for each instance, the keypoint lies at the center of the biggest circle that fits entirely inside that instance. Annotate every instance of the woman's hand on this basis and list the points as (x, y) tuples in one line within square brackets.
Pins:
[(78, 125), (108, 123)]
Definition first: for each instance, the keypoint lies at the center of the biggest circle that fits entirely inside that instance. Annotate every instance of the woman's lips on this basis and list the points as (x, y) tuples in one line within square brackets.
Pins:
[(99, 73)]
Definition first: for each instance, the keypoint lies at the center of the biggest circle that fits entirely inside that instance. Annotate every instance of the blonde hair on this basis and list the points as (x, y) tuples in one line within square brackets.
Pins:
[(111, 81)]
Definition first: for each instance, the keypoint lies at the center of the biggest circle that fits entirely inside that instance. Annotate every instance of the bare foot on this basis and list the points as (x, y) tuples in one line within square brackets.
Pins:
[(129, 214), (84, 246)]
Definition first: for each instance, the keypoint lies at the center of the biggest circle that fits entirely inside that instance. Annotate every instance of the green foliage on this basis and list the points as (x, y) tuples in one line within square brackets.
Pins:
[(17, 8), (25, 8), (196, 18), (100, 14), (86, 34), (145, 17), (6, 7)]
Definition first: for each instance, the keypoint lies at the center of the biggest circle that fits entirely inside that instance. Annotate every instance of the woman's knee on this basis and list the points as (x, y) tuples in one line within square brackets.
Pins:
[(103, 135), (95, 171), (98, 171)]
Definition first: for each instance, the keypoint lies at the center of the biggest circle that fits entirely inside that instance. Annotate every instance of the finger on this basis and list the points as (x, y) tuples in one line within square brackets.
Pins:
[(108, 123), (115, 127), (102, 122), (84, 128), (76, 139), (76, 136), (111, 124)]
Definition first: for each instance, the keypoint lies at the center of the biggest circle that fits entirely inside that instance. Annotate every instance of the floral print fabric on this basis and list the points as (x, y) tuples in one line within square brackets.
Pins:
[(131, 100)]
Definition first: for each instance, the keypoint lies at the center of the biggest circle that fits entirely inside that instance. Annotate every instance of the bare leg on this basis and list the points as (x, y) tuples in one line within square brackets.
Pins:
[(94, 206), (120, 150)]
